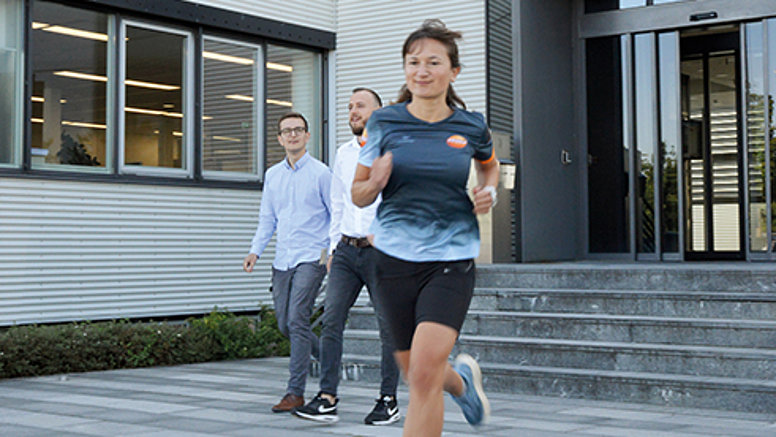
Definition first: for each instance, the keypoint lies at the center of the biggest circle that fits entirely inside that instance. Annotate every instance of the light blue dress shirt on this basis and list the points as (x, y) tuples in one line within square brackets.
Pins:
[(296, 204)]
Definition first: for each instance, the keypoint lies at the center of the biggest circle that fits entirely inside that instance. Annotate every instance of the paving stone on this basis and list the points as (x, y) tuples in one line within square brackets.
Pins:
[(234, 399)]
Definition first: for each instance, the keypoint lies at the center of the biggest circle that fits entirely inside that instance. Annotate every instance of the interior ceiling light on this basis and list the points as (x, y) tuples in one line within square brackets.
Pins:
[(98, 78), (279, 102), (239, 97), (152, 85), (220, 137), (227, 58), (85, 76), (280, 67), (83, 124), (69, 31), (154, 112), (245, 61), (74, 123), (39, 99)]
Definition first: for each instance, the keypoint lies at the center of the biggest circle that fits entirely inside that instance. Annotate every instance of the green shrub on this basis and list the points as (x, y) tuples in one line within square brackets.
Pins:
[(79, 347)]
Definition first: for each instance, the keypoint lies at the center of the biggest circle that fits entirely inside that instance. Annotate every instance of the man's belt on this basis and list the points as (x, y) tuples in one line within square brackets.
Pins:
[(356, 242)]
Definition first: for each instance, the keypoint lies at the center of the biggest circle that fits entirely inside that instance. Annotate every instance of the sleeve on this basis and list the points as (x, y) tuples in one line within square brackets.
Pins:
[(338, 198), (324, 184), (374, 136), (267, 219), (483, 149)]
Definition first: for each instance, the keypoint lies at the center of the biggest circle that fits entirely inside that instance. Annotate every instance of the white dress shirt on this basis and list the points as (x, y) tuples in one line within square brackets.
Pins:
[(346, 217)]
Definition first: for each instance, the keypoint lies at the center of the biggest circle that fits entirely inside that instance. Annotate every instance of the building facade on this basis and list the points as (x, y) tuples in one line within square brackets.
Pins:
[(669, 125), (134, 134)]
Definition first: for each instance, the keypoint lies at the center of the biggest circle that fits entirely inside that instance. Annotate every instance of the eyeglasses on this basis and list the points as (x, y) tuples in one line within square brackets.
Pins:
[(295, 130)]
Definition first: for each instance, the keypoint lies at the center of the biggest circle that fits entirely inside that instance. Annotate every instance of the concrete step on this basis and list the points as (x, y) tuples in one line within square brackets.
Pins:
[(749, 363), (736, 394), (607, 327), (746, 277), (733, 394), (759, 306)]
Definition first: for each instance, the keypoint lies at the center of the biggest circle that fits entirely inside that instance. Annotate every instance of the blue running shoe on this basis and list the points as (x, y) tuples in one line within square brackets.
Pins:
[(473, 402)]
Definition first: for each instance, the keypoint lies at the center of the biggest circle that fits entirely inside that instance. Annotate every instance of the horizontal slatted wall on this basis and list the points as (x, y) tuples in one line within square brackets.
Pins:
[(89, 251), (369, 41), (318, 14)]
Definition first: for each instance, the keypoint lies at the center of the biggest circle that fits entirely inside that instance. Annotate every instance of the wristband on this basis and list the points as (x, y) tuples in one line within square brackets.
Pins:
[(493, 194)]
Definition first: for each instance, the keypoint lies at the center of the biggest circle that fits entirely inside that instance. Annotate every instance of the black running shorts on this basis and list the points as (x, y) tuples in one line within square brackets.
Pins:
[(413, 292)]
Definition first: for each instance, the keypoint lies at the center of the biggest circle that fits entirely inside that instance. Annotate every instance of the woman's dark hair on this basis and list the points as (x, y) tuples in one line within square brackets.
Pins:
[(434, 29)]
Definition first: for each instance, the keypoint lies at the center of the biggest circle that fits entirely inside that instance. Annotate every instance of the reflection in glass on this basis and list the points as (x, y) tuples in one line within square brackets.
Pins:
[(693, 134), (10, 79), (153, 113), (69, 86), (669, 139), (724, 152), (755, 111), (293, 83), (772, 126), (607, 152), (230, 87), (646, 128)]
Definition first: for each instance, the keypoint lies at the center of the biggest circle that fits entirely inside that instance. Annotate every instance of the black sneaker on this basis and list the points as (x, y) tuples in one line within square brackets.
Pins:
[(385, 412), (319, 409)]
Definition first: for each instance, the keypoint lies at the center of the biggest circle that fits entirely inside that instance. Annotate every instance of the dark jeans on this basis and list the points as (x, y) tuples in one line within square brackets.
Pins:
[(351, 269), (294, 292)]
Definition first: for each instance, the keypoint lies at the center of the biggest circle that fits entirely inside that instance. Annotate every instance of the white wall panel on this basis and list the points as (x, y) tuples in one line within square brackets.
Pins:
[(318, 14), (369, 41), (88, 251)]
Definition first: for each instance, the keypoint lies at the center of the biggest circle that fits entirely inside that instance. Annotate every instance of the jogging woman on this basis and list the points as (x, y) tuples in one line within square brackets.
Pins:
[(418, 155)]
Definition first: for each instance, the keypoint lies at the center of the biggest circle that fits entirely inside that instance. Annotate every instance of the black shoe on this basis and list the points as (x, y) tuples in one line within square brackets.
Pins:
[(319, 409), (385, 412)]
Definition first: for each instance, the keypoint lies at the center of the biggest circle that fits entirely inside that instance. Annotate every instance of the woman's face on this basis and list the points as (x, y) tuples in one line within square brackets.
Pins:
[(427, 69)]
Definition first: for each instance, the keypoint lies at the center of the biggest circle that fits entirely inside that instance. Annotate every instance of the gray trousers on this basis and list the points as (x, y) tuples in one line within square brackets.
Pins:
[(351, 269), (294, 292)]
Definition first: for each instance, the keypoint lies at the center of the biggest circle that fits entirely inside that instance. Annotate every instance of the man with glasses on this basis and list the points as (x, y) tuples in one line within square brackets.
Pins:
[(352, 267), (295, 202)]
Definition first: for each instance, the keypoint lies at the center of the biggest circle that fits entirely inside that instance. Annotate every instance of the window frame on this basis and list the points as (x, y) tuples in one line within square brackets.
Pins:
[(258, 116), (110, 122), (187, 125), (17, 146)]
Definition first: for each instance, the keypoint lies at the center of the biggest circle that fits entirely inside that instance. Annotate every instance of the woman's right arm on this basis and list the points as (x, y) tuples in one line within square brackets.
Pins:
[(370, 181)]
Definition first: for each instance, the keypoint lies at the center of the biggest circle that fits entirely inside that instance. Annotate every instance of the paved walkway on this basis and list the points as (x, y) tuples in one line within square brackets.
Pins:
[(233, 398)]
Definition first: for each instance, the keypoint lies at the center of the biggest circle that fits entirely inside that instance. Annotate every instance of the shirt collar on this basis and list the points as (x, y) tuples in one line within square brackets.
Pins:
[(299, 164)]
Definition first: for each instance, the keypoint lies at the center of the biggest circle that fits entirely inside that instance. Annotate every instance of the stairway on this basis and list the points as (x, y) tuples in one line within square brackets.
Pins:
[(690, 335)]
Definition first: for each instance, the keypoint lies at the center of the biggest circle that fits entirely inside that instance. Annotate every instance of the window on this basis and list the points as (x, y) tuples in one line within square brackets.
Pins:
[(10, 81), (69, 88), (155, 86), (293, 83), (114, 94), (232, 104)]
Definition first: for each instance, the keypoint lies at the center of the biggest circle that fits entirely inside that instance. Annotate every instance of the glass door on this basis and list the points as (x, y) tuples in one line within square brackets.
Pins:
[(711, 144)]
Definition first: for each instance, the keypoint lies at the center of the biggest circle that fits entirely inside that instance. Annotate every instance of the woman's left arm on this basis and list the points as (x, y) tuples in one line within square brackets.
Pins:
[(487, 181)]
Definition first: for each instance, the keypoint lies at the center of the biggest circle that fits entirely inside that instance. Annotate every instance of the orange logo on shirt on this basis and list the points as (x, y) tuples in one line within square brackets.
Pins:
[(457, 141), (362, 140)]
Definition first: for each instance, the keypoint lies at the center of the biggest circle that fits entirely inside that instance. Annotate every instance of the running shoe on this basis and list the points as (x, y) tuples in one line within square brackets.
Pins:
[(385, 412), (319, 409), (473, 402)]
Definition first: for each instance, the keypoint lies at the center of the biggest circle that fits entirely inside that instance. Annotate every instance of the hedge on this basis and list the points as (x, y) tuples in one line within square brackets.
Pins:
[(34, 350)]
